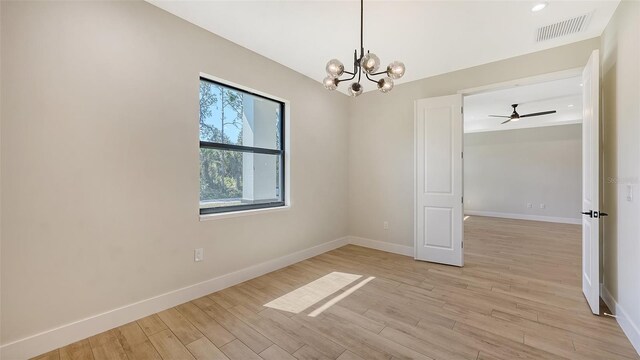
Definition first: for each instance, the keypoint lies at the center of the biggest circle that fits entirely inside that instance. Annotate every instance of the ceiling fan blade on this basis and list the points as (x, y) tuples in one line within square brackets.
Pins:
[(538, 113), (502, 116), (504, 122)]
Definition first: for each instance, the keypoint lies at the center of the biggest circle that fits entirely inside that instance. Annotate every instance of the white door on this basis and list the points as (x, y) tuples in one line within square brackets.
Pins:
[(590, 182), (438, 183)]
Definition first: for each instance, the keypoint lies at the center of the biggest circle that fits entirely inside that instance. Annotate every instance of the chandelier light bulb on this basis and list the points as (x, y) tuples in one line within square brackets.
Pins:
[(385, 84), (355, 89), (335, 68), (330, 83), (370, 63), (395, 70)]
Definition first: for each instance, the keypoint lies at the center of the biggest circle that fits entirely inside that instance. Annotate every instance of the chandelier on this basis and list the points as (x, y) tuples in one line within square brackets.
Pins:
[(367, 63)]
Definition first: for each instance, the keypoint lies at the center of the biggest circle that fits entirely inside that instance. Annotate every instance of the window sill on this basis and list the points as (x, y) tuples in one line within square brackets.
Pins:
[(226, 215)]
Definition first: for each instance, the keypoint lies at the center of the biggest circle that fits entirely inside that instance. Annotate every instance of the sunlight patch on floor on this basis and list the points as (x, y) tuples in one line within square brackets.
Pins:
[(335, 300), (301, 298)]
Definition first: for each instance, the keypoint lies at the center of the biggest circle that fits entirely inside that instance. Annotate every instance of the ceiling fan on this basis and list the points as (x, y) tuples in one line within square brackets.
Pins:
[(515, 116)]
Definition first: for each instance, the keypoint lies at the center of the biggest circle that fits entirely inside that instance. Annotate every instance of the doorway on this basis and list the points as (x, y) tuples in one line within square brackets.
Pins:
[(525, 165), (439, 164)]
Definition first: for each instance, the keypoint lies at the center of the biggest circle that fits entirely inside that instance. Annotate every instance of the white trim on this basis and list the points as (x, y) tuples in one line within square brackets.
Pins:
[(382, 245), (552, 219), (232, 214), (51, 339), (558, 75), (629, 328), (527, 126), (414, 251), (242, 87)]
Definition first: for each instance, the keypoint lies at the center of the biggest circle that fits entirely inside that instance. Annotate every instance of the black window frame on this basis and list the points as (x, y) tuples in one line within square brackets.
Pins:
[(251, 149)]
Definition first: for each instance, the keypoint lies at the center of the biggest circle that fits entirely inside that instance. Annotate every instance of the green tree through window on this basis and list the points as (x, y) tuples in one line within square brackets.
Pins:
[(240, 142)]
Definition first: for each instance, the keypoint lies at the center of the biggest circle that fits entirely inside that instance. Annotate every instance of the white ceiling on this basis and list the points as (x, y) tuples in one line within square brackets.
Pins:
[(564, 96), (430, 37)]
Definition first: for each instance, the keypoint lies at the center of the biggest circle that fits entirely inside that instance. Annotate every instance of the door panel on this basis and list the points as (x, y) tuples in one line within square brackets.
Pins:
[(437, 147), (438, 186), (590, 182), (438, 228)]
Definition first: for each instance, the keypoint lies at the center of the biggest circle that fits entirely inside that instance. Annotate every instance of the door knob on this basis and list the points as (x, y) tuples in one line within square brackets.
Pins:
[(590, 213)]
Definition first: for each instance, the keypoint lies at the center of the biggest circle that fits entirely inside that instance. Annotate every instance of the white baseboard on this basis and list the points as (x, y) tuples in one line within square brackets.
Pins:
[(552, 219), (52, 339), (629, 328), (381, 245)]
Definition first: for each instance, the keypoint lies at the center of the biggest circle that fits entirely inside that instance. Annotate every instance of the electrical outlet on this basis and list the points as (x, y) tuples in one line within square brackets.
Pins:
[(198, 254), (529, 205), (543, 206), (385, 225)]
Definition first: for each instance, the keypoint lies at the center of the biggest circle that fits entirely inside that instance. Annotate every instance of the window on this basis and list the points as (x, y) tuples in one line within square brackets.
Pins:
[(241, 149)]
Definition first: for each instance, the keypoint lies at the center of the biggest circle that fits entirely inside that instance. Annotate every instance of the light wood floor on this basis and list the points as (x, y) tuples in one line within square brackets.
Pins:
[(518, 297)]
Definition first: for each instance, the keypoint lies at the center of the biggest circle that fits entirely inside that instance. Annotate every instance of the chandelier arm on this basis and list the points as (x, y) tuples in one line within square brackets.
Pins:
[(347, 79), (380, 73), (348, 72), (370, 79)]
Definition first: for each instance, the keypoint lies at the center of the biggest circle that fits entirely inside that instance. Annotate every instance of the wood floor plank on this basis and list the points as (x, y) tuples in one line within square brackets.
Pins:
[(152, 324), (305, 334), (348, 355), (518, 296), (51, 355), (238, 296), (107, 346), (347, 337), (204, 349), (435, 342), (169, 347), (361, 341), (274, 352), (135, 343), (357, 319), (309, 353), (499, 347), (181, 327), (424, 347), (267, 328), (215, 332), (236, 350), (80, 350), (245, 333)]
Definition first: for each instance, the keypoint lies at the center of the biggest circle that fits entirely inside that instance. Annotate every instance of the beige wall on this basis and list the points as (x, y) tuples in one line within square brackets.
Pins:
[(505, 170), (100, 160), (381, 137), (99, 157), (620, 53)]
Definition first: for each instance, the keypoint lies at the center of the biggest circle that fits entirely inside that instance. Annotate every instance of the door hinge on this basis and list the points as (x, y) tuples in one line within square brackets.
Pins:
[(463, 244), (462, 200), (461, 109), (462, 155)]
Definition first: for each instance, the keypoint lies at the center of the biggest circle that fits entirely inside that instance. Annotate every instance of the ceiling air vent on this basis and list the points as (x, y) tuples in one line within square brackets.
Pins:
[(563, 28)]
